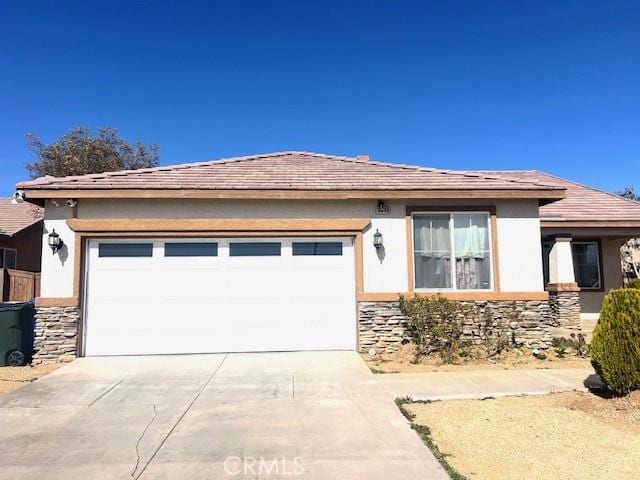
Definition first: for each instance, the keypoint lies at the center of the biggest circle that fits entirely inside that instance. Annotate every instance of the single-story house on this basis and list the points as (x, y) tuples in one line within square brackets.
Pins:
[(20, 235), (306, 251)]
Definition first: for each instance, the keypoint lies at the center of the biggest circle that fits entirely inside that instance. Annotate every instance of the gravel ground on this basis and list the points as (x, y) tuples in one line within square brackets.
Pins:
[(12, 378), (402, 362), (559, 436)]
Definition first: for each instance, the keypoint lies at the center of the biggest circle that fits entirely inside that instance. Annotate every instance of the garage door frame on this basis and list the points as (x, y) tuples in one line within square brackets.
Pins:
[(82, 238)]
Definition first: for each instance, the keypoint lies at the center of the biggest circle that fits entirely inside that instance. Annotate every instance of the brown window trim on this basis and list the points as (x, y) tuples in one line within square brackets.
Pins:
[(491, 209), (598, 242)]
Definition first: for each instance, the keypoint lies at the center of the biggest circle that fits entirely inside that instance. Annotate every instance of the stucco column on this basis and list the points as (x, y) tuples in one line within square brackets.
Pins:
[(57, 312), (561, 262), (564, 298)]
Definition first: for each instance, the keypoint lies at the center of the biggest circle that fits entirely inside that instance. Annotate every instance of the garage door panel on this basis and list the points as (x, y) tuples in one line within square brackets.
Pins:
[(127, 288), (207, 285), (171, 304), (268, 288), (321, 262), (254, 311), (304, 286), (261, 281)]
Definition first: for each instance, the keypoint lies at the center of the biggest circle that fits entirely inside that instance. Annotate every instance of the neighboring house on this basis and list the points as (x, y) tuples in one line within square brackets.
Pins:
[(20, 235), (301, 251)]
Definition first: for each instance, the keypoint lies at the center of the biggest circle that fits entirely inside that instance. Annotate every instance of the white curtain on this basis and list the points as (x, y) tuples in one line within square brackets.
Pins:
[(432, 249), (471, 242)]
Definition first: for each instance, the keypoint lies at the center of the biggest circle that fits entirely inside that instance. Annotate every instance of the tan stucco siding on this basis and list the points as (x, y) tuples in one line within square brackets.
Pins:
[(518, 229)]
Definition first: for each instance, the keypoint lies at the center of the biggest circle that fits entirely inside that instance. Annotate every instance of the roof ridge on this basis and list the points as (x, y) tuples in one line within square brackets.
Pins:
[(477, 174), (182, 166), (469, 173), (522, 170)]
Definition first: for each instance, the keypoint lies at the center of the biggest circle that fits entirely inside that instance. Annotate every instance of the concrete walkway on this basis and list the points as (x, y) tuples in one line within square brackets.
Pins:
[(485, 383), (313, 415)]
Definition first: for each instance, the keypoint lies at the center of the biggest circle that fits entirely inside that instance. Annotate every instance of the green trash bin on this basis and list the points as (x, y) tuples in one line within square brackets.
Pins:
[(16, 333)]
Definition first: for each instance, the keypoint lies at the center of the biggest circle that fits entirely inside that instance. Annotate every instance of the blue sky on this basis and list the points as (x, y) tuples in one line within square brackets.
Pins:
[(463, 85)]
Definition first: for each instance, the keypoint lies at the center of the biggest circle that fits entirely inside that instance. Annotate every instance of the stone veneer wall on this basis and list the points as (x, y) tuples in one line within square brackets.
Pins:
[(383, 328), (56, 334), (565, 309)]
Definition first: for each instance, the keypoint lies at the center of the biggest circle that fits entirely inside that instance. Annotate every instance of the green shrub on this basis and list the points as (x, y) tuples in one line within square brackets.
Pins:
[(577, 344), (495, 333), (435, 325), (635, 283), (615, 347)]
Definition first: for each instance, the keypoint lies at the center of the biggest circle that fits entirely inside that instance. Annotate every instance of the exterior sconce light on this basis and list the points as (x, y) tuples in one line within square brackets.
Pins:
[(382, 208), (377, 240), (55, 242)]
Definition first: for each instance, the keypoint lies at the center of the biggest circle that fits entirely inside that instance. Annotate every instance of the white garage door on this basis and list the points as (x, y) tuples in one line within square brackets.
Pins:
[(219, 295)]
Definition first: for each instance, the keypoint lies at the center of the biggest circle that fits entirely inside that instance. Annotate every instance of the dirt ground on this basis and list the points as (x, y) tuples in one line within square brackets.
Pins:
[(570, 435), (402, 362), (12, 378)]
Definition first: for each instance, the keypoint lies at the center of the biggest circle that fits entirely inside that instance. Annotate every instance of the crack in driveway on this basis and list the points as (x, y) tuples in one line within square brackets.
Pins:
[(197, 395), (106, 392), (135, 468)]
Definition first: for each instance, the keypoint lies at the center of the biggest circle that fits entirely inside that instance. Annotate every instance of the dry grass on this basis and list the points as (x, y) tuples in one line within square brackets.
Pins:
[(402, 362), (12, 378), (570, 435)]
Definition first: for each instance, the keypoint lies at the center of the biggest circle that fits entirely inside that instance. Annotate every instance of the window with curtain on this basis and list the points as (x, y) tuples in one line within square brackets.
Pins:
[(452, 251), (586, 264)]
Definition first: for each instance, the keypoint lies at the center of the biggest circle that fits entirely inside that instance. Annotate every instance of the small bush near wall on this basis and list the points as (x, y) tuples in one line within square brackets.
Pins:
[(453, 329), (435, 325), (635, 283), (575, 344), (615, 347), (495, 334)]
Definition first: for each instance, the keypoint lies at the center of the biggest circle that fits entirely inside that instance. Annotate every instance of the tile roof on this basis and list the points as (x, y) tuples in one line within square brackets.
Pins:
[(15, 217), (290, 171), (581, 204)]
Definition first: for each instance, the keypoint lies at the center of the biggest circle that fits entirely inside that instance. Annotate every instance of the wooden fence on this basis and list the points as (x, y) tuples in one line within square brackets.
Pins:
[(18, 285)]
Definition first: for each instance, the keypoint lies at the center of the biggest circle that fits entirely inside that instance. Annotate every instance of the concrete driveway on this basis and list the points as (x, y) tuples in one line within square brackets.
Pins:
[(267, 415)]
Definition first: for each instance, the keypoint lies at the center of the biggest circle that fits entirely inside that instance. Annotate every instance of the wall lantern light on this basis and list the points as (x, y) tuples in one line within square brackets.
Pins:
[(55, 242), (377, 240)]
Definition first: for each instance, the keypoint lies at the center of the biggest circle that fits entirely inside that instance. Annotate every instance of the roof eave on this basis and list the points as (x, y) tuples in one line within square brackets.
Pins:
[(590, 223), (42, 193)]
